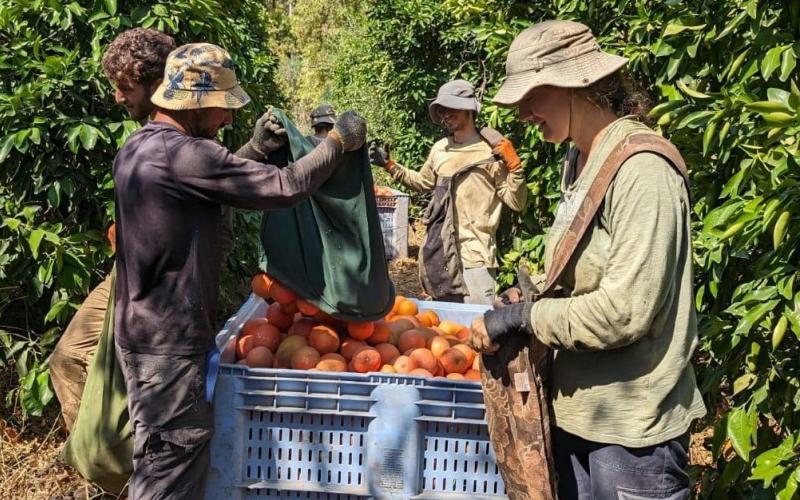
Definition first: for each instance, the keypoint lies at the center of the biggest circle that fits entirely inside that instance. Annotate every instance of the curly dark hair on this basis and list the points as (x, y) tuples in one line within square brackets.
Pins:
[(138, 55), (621, 94)]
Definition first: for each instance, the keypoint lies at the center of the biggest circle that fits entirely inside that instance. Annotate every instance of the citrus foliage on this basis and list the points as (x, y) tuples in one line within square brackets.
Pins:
[(725, 79), (59, 132)]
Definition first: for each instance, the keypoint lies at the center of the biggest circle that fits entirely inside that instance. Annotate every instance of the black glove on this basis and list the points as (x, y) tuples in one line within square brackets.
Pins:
[(510, 319), (269, 134), (379, 156), (350, 131)]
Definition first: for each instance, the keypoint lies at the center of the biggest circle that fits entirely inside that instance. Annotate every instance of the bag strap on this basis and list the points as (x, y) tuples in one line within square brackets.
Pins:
[(633, 144)]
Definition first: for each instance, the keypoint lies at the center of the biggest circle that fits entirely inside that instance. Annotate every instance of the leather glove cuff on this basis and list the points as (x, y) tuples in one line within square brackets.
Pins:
[(512, 318), (248, 152)]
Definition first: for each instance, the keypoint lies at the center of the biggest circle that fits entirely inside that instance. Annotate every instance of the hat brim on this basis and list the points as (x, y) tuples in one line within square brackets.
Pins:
[(579, 72), (452, 102), (180, 99), (323, 119)]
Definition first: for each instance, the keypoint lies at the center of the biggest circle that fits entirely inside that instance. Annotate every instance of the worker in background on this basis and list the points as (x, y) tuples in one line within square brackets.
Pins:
[(472, 174), (322, 120), (134, 63)]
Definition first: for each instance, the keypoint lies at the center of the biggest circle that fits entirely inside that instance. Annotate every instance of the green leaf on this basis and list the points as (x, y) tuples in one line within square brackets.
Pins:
[(768, 464), (792, 482), (88, 135), (34, 239), (8, 145), (740, 431), (755, 315), (743, 382), (788, 63), (111, 6), (771, 61)]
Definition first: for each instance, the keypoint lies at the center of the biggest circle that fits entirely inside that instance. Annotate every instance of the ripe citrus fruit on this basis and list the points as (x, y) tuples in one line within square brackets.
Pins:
[(307, 308), (455, 376), (305, 358), (367, 360), (281, 293), (388, 369), (404, 364), (421, 372), (454, 361), (406, 307), (472, 375), (411, 339), (261, 284), (380, 335), (388, 352), (324, 339), (286, 350), (424, 359), (360, 330), (331, 365), (350, 347), (302, 327), (277, 317), (259, 357), (468, 352), (438, 345)]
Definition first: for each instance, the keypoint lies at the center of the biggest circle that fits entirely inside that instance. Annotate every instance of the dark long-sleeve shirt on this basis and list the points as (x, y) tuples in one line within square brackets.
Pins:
[(170, 189)]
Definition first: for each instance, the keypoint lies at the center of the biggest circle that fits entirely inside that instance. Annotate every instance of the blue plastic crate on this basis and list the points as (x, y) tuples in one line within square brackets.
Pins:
[(297, 434)]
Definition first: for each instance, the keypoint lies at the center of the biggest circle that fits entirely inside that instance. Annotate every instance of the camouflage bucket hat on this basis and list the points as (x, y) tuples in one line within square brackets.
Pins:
[(557, 53), (199, 75), (455, 94)]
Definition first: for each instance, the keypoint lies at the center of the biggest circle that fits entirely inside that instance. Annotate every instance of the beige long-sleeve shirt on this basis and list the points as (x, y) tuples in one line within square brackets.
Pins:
[(479, 195), (625, 334)]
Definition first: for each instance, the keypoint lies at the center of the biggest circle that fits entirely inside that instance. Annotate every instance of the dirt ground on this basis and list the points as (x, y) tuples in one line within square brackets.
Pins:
[(29, 465)]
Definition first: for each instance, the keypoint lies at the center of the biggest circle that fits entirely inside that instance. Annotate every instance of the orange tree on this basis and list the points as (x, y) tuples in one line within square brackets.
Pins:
[(59, 132), (724, 78)]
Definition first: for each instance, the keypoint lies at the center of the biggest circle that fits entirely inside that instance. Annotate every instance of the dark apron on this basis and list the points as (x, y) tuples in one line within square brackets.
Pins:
[(440, 270)]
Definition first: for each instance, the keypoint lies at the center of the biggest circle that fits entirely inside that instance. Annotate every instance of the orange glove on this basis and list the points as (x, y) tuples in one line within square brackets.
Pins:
[(506, 150), (111, 234)]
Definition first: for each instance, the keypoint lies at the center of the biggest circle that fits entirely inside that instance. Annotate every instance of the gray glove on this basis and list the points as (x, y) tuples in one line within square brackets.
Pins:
[(492, 136), (269, 134), (379, 155), (350, 130)]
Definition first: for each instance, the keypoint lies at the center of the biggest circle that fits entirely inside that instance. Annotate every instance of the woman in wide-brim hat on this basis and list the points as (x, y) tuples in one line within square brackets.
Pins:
[(623, 326)]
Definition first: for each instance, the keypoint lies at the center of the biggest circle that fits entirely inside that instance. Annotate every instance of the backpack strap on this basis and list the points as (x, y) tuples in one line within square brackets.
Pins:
[(633, 144)]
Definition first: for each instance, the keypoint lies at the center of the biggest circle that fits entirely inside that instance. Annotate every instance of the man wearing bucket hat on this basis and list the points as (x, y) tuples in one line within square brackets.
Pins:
[(623, 325), (322, 119), (458, 259), (171, 181)]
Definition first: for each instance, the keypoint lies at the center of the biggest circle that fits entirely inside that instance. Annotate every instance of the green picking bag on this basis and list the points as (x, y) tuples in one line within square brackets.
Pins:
[(100, 446), (329, 248)]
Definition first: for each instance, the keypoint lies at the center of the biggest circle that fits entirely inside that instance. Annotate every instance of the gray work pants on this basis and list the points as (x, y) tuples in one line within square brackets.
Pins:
[(480, 285)]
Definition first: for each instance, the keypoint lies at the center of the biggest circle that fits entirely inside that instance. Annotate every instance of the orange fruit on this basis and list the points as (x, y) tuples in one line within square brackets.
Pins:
[(268, 335), (404, 364), (454, 361), (350, 347), (406, 307), (439, 370), (388, 352), (411, 339), (306, 307), (432, 317), (360, 330), (331, 365), (450, 327), (463, 334), (261, 285), (388, 369), (281, 293), (472, 375), (424, 359), (380, 335), (290, 309), (335, 356), (438, 345), (396, 328), (468, 352), (302, 327), (413, 319), (421, 372), (259, 357), (455, 376), (366, 360), (324, 339), (277, 317), (243, 361), (244, 345), (286, 350), (305, 358), (397, 301)]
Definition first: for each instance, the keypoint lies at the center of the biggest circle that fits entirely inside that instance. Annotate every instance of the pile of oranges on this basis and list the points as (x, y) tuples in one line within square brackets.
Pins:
[(383, 191), (296, 334)]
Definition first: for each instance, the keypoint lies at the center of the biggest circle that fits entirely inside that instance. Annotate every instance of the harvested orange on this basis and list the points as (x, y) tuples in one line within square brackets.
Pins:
[(388, 353), (463, 334), (367, 360), (324, 339), (261, 285), (360, 330), (380, 335), (468, 352), (302, 327), (305, 358), (411, 339), (421, 372), (307, 308), (331, 365), (388, 369), (406, 307), (333, 355), (438, 345), (413, 319), (404, 364), (290, 308), (454, 361), (472, 375), (286, 350), (277, 317), (259, 357), (424, 359), (281, 293), (397, 300), (450, 327), (455, 376), (350, 347), (431, 317)]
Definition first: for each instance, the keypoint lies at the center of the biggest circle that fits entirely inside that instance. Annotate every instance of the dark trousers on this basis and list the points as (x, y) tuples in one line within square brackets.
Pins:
[(172, 424), (596, 471)]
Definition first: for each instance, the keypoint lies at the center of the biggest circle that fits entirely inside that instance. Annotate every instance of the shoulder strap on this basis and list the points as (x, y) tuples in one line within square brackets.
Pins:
[(633, 144)]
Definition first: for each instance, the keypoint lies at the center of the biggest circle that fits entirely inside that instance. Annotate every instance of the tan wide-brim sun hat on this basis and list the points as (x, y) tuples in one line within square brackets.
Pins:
[(455, 94), (197, 76), (558, 53)]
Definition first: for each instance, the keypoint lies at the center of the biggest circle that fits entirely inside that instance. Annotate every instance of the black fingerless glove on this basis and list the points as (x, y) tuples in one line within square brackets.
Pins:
[(512, 318)]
